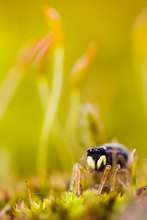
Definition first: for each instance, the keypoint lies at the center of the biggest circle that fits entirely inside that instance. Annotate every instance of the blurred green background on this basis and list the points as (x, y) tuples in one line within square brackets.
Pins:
[(115, 82)]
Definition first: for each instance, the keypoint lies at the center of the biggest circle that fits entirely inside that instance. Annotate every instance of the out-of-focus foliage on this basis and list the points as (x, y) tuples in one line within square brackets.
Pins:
[(114, 83)]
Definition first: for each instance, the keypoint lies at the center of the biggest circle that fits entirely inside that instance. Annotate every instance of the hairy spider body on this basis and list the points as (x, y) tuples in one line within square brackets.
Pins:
[(104, 158), (108, 154)]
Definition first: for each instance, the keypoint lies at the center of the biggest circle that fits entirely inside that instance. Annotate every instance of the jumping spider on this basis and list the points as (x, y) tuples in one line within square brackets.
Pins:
[(105, 159)]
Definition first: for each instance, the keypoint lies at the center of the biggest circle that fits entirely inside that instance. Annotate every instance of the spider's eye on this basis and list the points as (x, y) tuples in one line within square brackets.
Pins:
[(101, 161), (91, 162)]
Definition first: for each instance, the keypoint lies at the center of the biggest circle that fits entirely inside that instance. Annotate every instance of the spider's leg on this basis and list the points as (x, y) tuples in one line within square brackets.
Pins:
[(121, 160), (73, 176), (126, 173), (132, 166), (78, 183), (104, 178), (116, 169), (76, 178), (122, 184), (132, 159)]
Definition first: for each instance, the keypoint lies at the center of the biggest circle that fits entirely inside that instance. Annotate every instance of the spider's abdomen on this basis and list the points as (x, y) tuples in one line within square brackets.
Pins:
[(116, 154)]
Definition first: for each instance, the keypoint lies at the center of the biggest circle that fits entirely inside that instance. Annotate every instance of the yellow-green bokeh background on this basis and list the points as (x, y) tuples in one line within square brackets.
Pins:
[(114, 82)]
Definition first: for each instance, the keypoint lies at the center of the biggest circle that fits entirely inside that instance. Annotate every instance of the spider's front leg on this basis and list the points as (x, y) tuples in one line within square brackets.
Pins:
[(104, 178), (116, 170), (76, 178)]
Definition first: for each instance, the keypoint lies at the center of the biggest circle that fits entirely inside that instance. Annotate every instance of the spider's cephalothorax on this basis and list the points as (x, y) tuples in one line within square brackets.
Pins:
[(96, 158), (103, 158)]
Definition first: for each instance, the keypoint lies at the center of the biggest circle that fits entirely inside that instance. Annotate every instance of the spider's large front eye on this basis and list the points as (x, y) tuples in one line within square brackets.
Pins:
[(91, 162), (101, 162)]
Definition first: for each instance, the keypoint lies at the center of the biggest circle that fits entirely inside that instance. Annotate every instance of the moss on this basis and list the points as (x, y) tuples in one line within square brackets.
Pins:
[(65, 205)]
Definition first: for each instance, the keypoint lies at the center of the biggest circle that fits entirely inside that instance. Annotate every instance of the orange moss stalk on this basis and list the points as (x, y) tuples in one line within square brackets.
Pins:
[(30, 55), (80, 67), (77, 74), (55, 92)]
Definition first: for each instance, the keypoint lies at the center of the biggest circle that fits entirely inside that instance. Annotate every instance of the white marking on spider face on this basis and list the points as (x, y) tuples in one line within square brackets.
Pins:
[(101, 160), (91, 162)]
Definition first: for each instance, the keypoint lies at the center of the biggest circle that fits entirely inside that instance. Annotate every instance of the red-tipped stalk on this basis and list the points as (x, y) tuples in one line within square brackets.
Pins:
[(80, 67), (55, 21), (78, 71), (55, 91), (30, 55)]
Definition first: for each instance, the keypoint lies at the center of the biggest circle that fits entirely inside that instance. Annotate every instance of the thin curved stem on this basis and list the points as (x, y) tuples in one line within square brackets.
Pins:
[(50, 111)]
